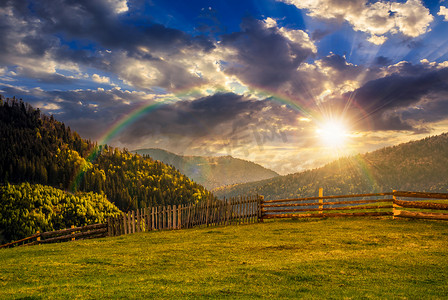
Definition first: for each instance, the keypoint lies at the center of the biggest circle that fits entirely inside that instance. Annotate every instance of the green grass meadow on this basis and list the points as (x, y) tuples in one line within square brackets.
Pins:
[(340, 258)]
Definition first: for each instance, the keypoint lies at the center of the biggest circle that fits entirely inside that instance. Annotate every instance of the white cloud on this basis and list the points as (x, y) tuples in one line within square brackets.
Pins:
[(100, 79), (443, 12), (378, 19)]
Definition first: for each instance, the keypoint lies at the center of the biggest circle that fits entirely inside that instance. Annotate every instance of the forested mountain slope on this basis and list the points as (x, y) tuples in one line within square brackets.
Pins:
[(416, 166), (26, 208), (36, 148), (212, 172)]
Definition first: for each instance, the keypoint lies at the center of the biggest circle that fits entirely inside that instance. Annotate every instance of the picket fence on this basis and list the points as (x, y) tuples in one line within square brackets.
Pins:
[(236, 210)]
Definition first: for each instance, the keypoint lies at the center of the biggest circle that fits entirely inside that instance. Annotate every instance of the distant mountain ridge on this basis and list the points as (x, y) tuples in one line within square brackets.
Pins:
[(417, 166), (211, 172)]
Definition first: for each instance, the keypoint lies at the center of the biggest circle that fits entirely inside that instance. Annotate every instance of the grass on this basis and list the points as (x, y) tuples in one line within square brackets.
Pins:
[(328, 258)]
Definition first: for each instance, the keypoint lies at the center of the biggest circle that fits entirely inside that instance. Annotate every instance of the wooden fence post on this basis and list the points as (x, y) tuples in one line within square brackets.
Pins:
[(38, 238), (260, 213), (174, 217), (394, 205), (129, 219), (73, 226), (321, 201), (125, 224), (138, 220)]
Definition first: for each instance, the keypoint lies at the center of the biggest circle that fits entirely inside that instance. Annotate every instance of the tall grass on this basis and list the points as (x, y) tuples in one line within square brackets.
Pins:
[(329, 258)]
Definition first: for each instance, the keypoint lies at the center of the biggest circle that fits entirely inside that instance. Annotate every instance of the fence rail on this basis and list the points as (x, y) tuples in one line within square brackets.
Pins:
[(78, 233)]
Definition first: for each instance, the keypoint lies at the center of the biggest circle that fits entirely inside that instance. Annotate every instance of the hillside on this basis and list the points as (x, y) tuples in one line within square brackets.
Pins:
[(26, 208), (418, 166), (36, 148), (212, 172)]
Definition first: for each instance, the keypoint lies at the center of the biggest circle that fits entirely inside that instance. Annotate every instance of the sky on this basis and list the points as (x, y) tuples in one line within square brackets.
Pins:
[(288, 84)]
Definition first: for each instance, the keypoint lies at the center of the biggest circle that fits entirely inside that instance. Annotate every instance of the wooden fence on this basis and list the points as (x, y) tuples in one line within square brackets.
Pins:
[(374, 204), (69, 234), (211, 213), (399, 204), (415, 205)]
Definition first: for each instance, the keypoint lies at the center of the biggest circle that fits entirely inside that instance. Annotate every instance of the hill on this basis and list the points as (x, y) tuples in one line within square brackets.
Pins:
[(418, 166), (26, 208), (36, 148), (212, 172)]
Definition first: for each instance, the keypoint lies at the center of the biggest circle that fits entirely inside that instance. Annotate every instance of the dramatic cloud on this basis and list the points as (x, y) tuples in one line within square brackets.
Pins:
[(377, 19), (220, 120), (410, 97), (264, 55)]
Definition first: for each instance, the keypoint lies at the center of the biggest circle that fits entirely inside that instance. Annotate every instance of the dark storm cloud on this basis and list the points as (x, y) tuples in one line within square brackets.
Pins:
[(198, 118), (265, 57), (411, 95)]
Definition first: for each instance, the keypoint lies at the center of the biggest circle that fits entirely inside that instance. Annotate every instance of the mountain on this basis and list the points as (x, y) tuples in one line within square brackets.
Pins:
[(212, 172), (38, 149), (415, 166)]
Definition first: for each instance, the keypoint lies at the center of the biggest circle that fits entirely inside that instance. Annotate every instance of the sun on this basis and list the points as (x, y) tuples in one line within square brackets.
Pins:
[(333, 133)]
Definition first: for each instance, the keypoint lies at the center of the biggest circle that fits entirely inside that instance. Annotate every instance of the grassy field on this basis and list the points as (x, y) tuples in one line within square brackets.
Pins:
[(329, 258)]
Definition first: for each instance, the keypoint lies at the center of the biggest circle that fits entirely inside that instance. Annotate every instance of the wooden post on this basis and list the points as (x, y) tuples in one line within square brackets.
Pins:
[(169, 215), (73, 226), (321, 201), (133, 221), (38, 237), (145, 219), (394, 205), (160, 217), (125, 223), (174, 217), (138, 220), (153, 218)]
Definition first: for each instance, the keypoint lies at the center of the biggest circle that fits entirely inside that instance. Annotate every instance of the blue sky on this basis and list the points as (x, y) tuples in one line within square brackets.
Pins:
[(288, 84)]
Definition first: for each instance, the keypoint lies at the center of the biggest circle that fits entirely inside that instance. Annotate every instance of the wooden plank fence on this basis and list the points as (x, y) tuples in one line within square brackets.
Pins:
[(236, 210), (63, 235), (418, 206), (373, 204)]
